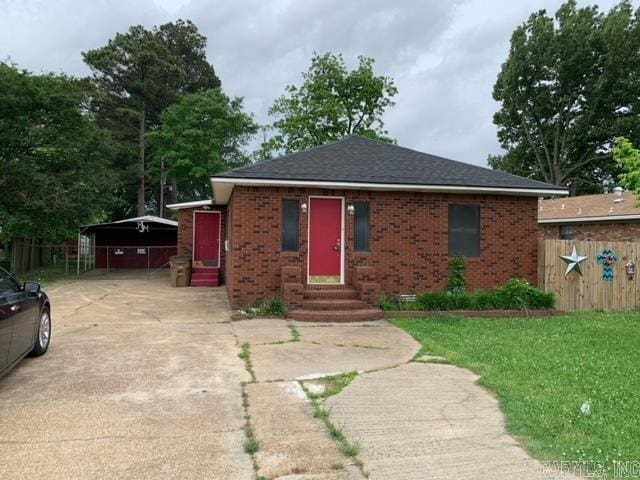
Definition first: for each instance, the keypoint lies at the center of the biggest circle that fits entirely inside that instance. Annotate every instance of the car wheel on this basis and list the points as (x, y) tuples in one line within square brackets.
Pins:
[(44, 333)]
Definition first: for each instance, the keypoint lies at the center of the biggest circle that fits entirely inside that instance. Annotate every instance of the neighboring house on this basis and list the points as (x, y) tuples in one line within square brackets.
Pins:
[(609, 217), (330, 228)]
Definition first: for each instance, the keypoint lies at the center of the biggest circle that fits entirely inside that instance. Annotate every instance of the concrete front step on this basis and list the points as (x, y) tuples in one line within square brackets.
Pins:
[(354, 315), (344, 293), (333, 304), (204, 280), (205, 283), (204, 276)]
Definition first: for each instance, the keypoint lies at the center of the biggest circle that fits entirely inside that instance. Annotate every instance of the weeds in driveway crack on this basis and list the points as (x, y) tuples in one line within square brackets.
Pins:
[(245, 354), (251, 444), (295, 337), (334, 385), (295, 333)]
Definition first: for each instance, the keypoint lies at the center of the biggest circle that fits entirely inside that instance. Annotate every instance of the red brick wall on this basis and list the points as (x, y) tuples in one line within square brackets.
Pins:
[(605, 231), (185, 231), (409, 240)]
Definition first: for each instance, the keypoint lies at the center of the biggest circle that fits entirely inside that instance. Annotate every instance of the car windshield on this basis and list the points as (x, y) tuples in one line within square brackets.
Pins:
[(7, 284)]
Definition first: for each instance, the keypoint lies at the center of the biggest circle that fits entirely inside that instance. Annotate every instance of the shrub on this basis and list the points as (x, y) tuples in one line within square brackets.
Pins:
[(271, 307), (434, 301), (515, 295), (520, 295), (456, 281)]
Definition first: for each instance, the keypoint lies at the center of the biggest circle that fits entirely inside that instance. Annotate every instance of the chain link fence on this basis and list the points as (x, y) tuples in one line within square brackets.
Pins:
[(43, 262)]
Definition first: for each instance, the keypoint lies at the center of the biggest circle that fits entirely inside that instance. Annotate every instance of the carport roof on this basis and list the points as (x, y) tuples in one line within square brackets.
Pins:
[(146, 218)]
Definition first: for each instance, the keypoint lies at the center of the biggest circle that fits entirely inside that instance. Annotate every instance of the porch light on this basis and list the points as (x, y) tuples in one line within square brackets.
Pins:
[(304, 208), (351, 210)]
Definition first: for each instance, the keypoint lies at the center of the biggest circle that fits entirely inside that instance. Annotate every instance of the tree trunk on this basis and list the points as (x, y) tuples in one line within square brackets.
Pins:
[(174, 191), (141, 167)]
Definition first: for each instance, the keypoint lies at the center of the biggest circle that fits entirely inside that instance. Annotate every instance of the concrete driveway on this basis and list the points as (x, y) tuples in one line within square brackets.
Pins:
[(141, 381)]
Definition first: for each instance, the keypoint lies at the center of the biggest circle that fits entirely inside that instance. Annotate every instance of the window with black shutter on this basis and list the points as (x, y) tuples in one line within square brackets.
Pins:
[(464, 230), (290, 225), (361, 226)]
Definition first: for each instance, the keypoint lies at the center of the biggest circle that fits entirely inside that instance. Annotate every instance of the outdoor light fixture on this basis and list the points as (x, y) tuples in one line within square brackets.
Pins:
[(304, 208), (630, 268), (351, 210)]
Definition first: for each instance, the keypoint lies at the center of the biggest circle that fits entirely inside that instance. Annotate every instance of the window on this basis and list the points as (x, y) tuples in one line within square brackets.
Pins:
[(567, 232), (464, 230), (361, 227), (7, 284), (290, 225)]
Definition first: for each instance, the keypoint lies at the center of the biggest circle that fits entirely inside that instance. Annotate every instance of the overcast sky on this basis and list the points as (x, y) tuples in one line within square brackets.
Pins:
[(443, 55)]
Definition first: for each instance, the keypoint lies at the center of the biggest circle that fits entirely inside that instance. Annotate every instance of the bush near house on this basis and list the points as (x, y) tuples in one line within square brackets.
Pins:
[(267, 308), (515, 295)]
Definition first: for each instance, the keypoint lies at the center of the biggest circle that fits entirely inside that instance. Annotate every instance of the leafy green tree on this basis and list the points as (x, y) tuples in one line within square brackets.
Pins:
[(569, 86), (331, 102), (55, 171), (628, 158), (202, 134), (140, 73)]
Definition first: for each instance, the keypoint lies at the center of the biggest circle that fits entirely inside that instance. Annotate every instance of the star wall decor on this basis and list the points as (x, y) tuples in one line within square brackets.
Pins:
[(573, 262)]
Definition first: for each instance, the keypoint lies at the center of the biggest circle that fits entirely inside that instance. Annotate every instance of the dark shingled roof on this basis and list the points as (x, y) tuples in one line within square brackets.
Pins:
[(356, 159)]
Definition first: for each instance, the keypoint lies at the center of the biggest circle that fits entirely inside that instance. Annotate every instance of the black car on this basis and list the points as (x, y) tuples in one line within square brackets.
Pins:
[(25, 321)]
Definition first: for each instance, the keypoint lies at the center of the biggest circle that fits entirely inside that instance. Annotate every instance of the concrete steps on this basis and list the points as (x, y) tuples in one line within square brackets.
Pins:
[(355, 315), (330, 304), (333, 293), (205, 277)]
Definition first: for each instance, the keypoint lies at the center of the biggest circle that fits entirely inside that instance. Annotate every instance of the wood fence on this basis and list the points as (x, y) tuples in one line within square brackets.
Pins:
[(590, 291)]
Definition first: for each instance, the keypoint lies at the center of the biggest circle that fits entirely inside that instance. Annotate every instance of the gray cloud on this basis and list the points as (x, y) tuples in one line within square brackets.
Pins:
[(443, 56)]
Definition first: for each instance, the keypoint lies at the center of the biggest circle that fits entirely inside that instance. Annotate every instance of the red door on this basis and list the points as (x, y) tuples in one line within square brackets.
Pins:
[(325, 240), (206, 239)]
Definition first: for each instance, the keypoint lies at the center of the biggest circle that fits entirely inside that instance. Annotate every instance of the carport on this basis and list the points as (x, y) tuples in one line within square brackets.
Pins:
[(133, 243)]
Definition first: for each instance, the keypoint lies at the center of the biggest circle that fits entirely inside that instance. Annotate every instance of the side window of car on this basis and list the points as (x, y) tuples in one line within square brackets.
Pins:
[(7, 284)]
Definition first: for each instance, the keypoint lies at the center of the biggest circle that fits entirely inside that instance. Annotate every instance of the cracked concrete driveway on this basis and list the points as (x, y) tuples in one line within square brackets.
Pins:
[(141, 381)]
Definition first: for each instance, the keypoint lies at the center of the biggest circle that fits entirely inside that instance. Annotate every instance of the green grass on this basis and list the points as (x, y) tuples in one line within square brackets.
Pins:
[(245, 354), (543, 371), (334, 384), (295, 333), (45, 276)]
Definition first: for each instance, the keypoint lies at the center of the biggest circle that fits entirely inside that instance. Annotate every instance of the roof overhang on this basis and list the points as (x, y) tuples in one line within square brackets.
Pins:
[(223, 187), (128, 223), (604, 218), (196, 204)]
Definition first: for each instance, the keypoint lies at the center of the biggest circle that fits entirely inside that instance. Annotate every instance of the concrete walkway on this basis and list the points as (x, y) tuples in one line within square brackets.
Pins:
[(430, 421), (411, 420), (293, 444)]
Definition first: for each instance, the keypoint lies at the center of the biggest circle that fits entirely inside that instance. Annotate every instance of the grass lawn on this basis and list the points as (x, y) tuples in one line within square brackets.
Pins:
[(544, 370), (49, 274)]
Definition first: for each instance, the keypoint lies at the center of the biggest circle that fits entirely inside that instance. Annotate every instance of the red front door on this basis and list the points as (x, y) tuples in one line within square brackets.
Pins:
[(325, 240), (206, 239)]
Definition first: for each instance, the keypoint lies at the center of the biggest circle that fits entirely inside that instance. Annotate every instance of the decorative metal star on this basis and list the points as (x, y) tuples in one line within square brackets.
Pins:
[(573, 262)]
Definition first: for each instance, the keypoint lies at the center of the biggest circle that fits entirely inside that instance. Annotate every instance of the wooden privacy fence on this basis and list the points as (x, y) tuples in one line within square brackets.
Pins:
[(591, 291)]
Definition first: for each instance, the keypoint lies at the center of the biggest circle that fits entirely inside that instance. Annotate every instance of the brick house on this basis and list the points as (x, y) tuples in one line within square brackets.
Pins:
[(606, 217), (330, 228)]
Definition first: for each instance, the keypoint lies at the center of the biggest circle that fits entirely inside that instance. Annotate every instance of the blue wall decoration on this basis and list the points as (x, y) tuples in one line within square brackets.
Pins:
[(607, 259)]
